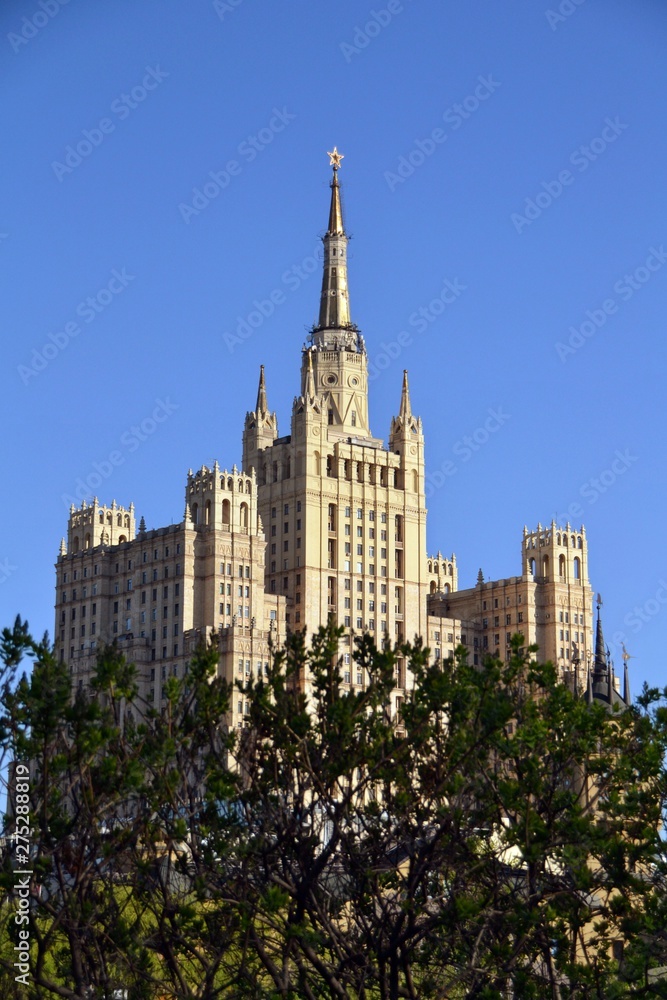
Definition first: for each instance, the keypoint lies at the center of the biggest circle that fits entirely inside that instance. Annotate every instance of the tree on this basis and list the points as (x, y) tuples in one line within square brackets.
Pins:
[(498, 837)]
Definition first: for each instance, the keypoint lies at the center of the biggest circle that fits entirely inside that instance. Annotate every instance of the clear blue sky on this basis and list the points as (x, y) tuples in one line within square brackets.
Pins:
[(515, 150)]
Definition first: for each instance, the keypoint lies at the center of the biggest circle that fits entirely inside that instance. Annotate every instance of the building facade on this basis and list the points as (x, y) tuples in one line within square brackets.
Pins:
[(323, 523)]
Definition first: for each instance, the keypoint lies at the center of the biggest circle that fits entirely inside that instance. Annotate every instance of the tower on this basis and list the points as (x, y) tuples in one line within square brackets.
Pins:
[(345, 517)]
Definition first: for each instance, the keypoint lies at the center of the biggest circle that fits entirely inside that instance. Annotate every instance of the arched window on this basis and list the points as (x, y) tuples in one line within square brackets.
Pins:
[(561, 565), (433, 586), (119, 520), (195, 513), (577, 568), (86, 543), (230, 483), (244, 516), (122, 539), (430, 567), (574, 542), (101, 517), (247, 486), (447, 588), (207, 512), (545, 565), (127, 520), (558, 537), (225, 511), (579, 542), (533, 567), (109, 517), (75, 544)]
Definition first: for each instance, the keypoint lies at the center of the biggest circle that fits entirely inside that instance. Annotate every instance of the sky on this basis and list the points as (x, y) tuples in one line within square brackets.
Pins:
[(164, 187)]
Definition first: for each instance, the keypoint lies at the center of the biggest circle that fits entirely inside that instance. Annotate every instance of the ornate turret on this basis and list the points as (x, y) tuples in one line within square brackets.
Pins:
[(261, 428), (405, 424)]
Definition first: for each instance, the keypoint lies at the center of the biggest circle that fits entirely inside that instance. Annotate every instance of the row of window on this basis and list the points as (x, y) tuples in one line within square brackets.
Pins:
[(242, 570), (144, 559), (508, 601)]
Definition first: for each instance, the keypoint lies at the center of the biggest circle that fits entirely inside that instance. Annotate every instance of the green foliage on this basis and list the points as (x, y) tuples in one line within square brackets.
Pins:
[(490, 838)]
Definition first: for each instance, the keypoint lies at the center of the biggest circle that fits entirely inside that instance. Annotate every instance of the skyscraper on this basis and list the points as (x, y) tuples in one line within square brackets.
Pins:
[(322, 523)]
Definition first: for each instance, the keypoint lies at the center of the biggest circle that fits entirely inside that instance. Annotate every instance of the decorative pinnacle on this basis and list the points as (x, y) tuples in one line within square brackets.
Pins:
[(261, 408), (405, 411), (335, 158)]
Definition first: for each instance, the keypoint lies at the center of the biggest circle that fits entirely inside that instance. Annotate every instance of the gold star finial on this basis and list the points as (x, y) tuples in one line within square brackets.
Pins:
[(335, 158)]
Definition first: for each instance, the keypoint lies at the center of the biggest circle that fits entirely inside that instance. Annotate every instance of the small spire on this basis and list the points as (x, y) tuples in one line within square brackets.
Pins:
[(600, 665), (626, 677), (261, 408), (405, 411), (480, 578), (63, 547), (188, 513), (142, 524)]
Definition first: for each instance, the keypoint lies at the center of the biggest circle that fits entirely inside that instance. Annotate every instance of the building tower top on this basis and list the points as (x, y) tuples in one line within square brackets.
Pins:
[(335, 329)]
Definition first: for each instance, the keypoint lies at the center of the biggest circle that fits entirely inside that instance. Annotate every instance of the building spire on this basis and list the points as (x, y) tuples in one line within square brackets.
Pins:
[(405, 411), (600, 664), (626, 676), (261, 408), (336, 227), (334, 300)]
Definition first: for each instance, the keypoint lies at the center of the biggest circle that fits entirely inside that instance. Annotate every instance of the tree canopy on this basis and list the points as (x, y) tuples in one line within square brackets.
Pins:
[(497, 837)]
